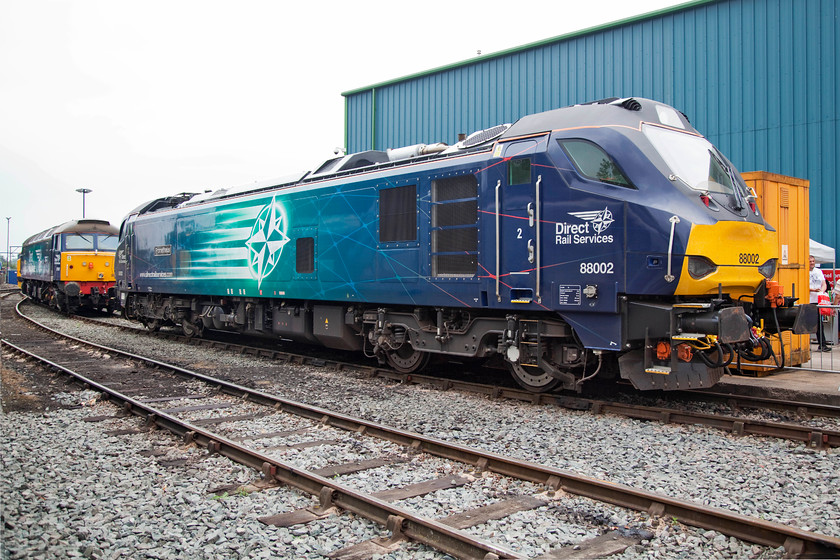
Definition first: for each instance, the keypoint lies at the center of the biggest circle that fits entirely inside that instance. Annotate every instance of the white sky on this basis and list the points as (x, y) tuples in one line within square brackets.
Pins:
[(138, 100)]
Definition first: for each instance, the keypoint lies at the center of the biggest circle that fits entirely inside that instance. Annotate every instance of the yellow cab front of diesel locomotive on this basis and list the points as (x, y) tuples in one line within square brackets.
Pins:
[(737, 251)]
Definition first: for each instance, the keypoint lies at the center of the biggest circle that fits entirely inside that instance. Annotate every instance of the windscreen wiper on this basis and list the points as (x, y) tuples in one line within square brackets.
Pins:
[(739, 201)]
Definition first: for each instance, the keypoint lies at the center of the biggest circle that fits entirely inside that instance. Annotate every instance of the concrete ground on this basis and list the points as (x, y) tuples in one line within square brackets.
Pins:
[(816, 380)]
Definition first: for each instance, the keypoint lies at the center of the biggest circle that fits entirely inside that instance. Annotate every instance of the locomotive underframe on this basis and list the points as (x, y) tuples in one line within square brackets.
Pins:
[(542, 351), (687, 322), (651, 322), (404, 337), (71, 296)]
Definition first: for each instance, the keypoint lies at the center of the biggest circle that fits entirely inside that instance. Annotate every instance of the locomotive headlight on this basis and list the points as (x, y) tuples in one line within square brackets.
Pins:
[(700, 267), (768, 269)]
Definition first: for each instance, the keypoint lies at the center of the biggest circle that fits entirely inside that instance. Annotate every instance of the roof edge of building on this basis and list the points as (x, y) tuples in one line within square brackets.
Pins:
[(535, 44)]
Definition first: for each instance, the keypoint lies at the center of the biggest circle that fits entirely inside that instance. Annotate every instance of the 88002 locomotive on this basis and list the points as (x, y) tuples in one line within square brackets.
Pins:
[(574, 244)]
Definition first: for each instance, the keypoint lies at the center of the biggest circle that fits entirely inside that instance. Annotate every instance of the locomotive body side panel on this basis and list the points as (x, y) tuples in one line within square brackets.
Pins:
[(322, 242), (37, 260)]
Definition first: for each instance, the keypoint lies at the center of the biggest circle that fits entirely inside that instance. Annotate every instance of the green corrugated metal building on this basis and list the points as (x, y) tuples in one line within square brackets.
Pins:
[(759, 78)]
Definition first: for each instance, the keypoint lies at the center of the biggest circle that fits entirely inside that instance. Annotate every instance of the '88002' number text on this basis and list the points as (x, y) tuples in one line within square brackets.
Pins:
[(596, 268)]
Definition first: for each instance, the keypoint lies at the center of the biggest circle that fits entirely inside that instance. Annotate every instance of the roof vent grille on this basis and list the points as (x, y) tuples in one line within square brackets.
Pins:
[(486, 135), (628, 103), (631, 104)]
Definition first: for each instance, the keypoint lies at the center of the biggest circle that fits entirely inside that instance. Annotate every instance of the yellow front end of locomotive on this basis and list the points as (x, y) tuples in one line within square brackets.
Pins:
[(87, 267), (737, 256)]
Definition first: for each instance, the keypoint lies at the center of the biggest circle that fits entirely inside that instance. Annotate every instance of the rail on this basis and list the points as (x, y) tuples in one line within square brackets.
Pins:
[(796, 542), (811, 436)]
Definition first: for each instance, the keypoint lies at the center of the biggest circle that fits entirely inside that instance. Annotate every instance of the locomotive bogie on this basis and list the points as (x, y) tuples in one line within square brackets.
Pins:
[(557, 244)]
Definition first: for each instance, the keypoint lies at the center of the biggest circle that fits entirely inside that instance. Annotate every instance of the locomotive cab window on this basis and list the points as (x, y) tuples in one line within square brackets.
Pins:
[(398, 214), (519, 171), (693, 159), (593, 163), (78, 241), (107, 242)]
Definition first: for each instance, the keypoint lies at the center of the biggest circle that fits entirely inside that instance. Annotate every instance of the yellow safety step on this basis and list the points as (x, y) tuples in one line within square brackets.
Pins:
[(688, 336)]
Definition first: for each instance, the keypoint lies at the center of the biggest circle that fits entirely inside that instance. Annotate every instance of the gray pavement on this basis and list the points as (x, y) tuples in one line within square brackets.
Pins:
[(817, 379)]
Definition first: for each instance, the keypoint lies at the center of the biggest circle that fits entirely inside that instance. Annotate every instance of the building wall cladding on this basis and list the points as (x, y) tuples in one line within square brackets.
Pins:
[(759, 78)]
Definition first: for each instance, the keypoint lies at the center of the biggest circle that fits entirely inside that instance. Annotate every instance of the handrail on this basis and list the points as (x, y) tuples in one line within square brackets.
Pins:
[(537, 196), (674, 221), (498, 287)]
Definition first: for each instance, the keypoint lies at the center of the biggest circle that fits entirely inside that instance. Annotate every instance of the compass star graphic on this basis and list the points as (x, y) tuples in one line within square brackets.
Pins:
[(267, 239), (601, 219)]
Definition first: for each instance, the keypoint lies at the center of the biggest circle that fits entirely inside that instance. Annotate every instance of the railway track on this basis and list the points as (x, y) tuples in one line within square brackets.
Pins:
[(815, 437), (180, 408)]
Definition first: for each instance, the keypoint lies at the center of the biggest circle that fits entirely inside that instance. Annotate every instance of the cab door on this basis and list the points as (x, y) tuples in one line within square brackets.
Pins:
[(124, 257), (518, 225), (55, 265)]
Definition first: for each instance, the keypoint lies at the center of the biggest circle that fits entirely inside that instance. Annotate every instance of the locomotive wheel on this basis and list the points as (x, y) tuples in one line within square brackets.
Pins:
[(533, 379), (153, 325), (192, 329), (406, 359)]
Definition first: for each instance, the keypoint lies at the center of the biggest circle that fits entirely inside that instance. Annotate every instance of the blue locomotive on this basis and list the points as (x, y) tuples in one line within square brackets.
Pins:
[(596, 239), (71, 266)]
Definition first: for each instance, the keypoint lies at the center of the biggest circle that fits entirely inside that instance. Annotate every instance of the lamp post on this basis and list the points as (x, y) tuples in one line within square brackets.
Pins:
[(84, 192), (8, 251)]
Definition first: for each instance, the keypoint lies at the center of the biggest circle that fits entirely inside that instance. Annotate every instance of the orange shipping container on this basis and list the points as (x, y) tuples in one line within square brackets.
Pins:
[(783, 201)]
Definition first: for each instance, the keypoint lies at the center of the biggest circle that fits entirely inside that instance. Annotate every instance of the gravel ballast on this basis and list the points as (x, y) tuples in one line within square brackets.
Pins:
[(71, 491), (776, 480)]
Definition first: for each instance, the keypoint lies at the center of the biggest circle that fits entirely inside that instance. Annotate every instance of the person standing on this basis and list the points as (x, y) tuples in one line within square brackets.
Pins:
[(834, 298), (818, 287)]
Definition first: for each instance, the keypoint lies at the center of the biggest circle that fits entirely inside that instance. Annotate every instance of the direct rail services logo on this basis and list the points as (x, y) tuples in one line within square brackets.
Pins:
[(590, 230)]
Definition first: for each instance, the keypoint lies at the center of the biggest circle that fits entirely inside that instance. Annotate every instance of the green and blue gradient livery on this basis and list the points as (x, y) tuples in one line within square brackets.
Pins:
[(265, 245), (565, 245)]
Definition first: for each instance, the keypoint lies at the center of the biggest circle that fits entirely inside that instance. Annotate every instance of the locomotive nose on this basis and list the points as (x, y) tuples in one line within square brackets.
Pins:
[(736, 256)]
